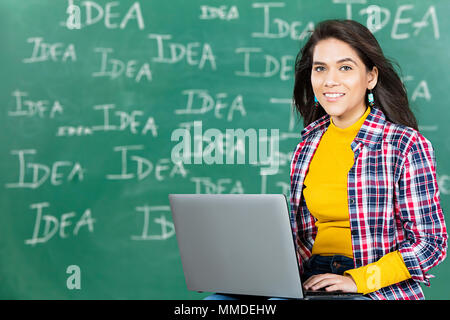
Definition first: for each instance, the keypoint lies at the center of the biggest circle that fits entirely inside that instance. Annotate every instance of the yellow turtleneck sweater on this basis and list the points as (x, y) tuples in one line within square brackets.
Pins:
[(326, 197)]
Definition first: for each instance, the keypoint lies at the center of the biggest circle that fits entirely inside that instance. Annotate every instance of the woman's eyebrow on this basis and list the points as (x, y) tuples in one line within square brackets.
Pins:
[(347, 59), (339, 61)]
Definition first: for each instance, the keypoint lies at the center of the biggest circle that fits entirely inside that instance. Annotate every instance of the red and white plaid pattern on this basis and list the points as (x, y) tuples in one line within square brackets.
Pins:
[(393, 200)]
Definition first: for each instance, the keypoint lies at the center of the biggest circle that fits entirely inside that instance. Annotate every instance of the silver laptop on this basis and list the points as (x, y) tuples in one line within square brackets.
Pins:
[(237, 244)]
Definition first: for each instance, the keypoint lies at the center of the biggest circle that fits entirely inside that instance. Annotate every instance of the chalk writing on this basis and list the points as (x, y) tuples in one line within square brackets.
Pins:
[(348, 6), (52, 224), (295, 30), (280, 186), (40, 173), (43, 51), (167, 229), (200, 101), (90, 13), (142, 167), (267, 65), (179, 52), (114, 68), (402, 19), (222, 12), (119, 121), (443, 182), (30, 108), (224, 185), (418, 25), (421, 90)]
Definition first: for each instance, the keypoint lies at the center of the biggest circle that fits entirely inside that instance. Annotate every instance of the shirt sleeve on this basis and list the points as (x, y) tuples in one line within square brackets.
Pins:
[(387, 271), (302, 222), (423, 243)]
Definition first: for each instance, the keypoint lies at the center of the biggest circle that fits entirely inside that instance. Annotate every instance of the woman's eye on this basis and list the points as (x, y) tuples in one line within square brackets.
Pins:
[(318, 69), (346, 68)]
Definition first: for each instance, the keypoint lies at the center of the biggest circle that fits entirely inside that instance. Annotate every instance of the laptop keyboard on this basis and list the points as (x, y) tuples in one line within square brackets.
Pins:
[(330, 293)]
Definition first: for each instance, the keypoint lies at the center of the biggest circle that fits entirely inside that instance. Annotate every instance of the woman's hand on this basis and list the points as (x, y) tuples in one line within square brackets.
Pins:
[(331, 282)]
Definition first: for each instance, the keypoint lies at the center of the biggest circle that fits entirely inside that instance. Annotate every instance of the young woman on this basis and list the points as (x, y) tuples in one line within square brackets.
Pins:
[(365, 208)]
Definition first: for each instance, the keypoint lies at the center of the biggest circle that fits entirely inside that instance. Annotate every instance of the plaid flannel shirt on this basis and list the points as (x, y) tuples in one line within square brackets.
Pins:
[(393, 200)]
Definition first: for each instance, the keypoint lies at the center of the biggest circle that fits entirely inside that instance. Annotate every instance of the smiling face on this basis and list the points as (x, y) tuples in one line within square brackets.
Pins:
[(339, 79)]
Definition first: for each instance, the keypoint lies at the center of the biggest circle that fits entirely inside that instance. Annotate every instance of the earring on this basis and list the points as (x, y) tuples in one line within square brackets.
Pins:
[(370, 98), (316, 102)]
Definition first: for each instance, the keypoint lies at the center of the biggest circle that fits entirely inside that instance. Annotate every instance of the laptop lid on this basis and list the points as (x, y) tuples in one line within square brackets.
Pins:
[(236, 243)]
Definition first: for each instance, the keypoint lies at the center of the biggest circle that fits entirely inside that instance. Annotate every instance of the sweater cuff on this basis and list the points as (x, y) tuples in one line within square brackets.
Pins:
[(387, 271), (358, 277)]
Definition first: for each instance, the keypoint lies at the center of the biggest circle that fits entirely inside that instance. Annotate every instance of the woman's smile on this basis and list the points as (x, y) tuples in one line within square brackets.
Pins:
[(333, 96)]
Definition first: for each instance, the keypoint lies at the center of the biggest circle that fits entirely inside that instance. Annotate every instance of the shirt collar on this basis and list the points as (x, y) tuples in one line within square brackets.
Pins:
[(370, 133)]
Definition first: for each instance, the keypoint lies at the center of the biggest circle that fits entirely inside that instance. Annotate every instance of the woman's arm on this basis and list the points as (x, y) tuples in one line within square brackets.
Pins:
[(417, 205)]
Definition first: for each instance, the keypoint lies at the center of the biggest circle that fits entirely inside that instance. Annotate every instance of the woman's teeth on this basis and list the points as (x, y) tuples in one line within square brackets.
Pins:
[(333, 95)]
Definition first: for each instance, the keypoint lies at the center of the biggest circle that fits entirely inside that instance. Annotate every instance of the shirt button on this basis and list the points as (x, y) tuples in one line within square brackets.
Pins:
[(352, 201), (354, 232)]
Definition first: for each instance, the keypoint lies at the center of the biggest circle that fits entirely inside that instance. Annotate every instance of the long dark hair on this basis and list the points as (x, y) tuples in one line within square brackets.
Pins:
[(389, 94)]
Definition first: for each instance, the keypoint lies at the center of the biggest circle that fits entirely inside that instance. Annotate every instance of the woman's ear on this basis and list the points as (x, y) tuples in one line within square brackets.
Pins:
[(373, 78)]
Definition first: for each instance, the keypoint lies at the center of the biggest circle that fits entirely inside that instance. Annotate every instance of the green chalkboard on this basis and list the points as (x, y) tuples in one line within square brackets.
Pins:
[(94, 91)]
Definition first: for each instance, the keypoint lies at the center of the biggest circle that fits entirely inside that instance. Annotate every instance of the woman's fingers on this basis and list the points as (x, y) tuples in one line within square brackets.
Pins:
[(335, 287), (331, 282), (322, 283), (314, 280)]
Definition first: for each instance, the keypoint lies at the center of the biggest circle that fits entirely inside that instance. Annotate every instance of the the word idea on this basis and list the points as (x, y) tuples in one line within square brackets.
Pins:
[(194, 53), (118, 121), (57, 52), (278, 28), (126, 120), (30, 108), (378, 17), (200, 102), (90, 12), (137, 167), (70, 131), (33, 175), (114, 68), (220, 186), (404, 25), (257, 64), (47, 226), (222, 13)]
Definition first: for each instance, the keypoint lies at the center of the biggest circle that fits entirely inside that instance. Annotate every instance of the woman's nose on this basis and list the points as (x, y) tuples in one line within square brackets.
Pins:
[(331, 79)]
